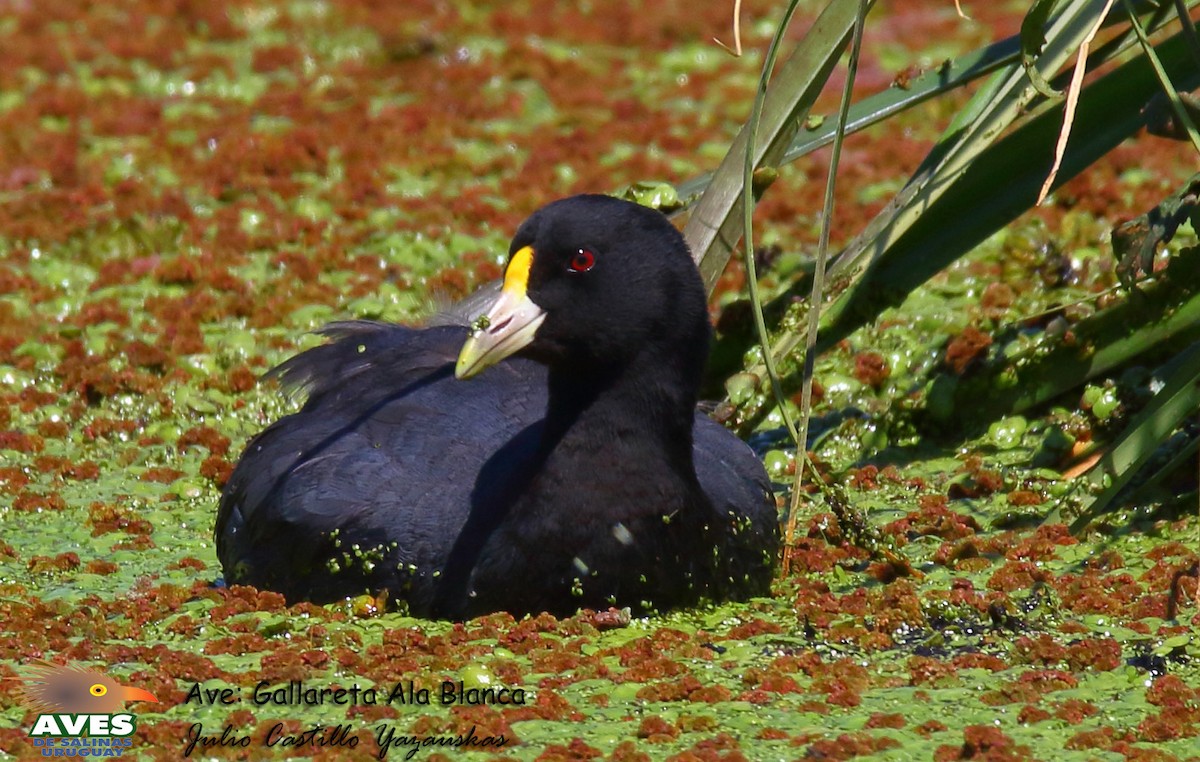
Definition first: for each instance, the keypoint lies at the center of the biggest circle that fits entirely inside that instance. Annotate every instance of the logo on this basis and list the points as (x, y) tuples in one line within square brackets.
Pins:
[(81, 711)]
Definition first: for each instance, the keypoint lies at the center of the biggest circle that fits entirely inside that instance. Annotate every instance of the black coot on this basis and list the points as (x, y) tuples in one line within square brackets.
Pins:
[(557, 463)]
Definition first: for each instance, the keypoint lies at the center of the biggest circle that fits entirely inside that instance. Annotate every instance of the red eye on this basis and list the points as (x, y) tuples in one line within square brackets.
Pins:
[(582, 261)]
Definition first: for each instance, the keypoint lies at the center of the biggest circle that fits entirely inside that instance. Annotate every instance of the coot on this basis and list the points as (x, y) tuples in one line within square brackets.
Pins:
[(547, 458)]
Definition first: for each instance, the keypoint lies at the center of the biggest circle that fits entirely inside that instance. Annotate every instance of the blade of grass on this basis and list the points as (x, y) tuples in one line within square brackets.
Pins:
[(1108, 112), (873, 109), (1178, 398), (747, 208), (990, 112), (1185, 454), (1189, 29), (1164, 313), (861, 286), (1168, 88), (951, 74), (716, 224), (817, 298), (1033, 40)]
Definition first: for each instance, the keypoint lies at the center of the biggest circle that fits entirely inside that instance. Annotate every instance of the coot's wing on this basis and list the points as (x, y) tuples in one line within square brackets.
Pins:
[(737, 486), (369, 485)]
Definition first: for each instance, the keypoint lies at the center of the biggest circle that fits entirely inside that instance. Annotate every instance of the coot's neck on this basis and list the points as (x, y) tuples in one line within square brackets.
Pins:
[(646, 404)]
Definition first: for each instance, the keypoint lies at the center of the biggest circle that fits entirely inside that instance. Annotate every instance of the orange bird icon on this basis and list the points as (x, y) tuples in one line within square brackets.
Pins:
[(74, 689)]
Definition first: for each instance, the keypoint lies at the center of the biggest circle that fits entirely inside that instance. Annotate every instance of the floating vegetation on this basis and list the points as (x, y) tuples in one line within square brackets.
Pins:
[(185, 195)]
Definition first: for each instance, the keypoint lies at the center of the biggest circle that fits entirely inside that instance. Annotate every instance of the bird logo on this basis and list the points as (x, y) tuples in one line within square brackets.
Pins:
[(74, 701), (75, 689)]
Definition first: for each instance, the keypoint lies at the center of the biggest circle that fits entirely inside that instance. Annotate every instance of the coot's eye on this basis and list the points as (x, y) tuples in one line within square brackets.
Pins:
[(582, 261)]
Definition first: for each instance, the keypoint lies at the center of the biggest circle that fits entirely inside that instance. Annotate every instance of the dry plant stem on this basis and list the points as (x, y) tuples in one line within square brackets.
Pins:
[(737, 31), (1072, 99), (817, 296)]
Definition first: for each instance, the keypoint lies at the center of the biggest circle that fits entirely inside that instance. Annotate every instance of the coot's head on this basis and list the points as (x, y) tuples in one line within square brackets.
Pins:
[(593, 281)]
